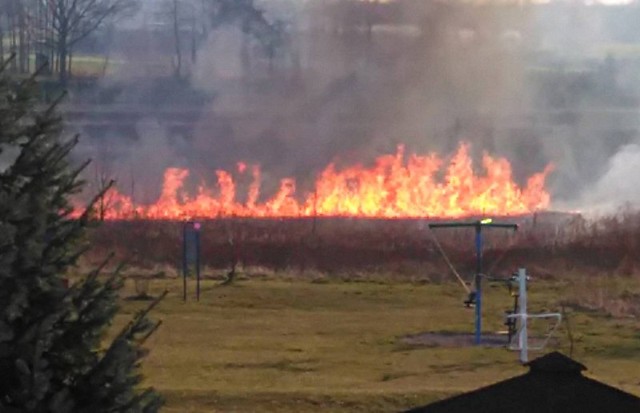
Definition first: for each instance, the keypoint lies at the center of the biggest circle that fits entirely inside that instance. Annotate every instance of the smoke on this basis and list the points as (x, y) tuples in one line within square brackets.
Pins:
[(352, 80), (137, 166), (428, 76), (616, 187)]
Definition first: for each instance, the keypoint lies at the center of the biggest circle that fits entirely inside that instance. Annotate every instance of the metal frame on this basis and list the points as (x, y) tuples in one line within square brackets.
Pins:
[(478, 225), (522, 316)]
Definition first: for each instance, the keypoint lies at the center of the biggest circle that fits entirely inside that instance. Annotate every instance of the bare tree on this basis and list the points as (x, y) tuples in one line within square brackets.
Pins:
[(74, 20), (2, 7), (251, 19), (186, 19), (11, 9), (195, 19), (176, 12)]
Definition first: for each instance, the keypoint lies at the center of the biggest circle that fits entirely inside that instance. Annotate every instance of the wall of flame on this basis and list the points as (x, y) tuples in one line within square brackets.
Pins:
[(395, 186)]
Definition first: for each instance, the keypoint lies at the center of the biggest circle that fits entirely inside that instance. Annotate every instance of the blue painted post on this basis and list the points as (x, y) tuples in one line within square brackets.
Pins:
[(196, 228), (185, 265), (478, 337)]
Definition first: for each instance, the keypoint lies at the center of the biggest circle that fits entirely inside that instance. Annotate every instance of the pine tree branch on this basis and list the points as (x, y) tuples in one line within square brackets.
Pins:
[(85, 214), (63, 150), (142, 340), (31, 80), (128, 330), (52, 107), (98, 270)]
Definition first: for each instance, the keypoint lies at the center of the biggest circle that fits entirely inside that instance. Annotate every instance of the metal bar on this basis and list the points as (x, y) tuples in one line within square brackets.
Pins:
[(511, 226), (478, 321), (472, 224), (184, 262), (558, 318), (197, 236), (523, 338), (545, 315), (512, 323), (453, 224)]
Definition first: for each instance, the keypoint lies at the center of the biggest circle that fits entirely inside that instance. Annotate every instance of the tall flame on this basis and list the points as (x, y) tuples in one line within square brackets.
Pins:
[(391, 188)]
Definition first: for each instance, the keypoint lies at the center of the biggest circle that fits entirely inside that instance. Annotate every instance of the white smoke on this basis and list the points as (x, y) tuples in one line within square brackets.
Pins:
[(618, 186)]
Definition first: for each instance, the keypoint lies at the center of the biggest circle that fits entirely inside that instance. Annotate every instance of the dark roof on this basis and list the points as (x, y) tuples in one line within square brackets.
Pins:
[(555, 363), (554, 384)]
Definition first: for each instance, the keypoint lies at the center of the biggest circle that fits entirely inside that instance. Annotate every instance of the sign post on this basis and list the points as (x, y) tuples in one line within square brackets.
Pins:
[(191, 255)]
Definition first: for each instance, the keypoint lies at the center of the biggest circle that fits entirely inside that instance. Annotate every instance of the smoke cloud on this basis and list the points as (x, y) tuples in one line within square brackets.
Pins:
[(353, 80), (616, 187)]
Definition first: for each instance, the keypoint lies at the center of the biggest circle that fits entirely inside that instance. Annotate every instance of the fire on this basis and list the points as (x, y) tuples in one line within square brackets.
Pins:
[(396, 186)]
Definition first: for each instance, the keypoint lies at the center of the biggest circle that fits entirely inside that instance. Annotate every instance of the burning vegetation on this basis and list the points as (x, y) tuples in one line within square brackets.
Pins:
[(396, 186)]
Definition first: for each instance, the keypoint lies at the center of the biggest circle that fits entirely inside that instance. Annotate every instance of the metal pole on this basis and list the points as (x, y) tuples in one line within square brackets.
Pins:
[(523, 338), (478, 337), (184, 262), (197, 234)]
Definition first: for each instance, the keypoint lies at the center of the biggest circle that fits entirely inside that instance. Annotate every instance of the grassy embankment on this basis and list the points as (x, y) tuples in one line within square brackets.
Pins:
[(274, 344)]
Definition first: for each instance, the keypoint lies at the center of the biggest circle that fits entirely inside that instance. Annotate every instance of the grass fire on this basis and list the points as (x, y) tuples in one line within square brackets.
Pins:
[(319, 206), (396, 186)]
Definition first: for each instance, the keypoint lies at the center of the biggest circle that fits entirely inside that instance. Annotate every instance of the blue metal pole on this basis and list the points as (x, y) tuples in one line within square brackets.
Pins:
[(488, 222), (196, 228), (185, 266), (478, 337)]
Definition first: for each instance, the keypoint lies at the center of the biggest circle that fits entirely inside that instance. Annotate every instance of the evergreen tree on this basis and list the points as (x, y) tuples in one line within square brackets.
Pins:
[(53, 351)]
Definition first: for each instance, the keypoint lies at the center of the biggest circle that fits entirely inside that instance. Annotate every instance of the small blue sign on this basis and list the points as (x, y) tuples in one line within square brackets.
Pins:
[(191, 243)]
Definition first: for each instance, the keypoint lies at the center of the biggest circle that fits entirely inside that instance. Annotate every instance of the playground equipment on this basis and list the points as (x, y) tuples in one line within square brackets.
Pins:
[(516, 319), (519, 318), (475, 297)]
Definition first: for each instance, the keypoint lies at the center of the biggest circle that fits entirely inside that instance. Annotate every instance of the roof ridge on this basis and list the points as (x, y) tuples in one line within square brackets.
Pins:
[(555, 362)]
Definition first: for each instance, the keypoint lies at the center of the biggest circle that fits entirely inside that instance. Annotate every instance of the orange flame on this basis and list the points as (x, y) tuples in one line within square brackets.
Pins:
[(392, 188)]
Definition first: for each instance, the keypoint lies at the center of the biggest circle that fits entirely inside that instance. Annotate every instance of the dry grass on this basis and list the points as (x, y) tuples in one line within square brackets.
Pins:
[(313, 320), (400, 249), (272, 344)]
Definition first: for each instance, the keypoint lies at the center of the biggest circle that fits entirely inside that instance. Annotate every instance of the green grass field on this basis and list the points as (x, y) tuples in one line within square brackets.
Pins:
[(291, 345), (86, 65)]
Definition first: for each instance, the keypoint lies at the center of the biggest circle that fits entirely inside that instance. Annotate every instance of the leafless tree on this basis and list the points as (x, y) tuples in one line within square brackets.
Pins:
[(2, 7), (74, 20), (186, 21), (250, 18), (13, 13), (195, 19), (180, 15), (175, 16)]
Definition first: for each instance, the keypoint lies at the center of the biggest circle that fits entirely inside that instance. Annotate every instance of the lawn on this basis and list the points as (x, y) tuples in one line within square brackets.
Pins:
[(285, 345), (86, 65)]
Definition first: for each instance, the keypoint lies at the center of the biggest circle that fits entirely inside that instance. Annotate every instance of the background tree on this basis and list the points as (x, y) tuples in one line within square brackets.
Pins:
[(12, 12), (191, 21), (74, 20), (53, 353), (187, 23)]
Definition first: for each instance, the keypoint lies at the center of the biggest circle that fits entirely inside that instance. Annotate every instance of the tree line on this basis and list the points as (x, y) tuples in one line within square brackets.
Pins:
[(44, 34)]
